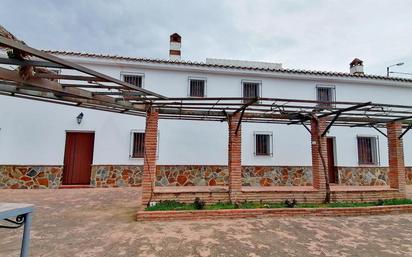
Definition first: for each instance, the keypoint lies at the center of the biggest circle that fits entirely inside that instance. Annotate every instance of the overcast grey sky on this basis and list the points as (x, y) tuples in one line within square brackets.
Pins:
[(310, 34)]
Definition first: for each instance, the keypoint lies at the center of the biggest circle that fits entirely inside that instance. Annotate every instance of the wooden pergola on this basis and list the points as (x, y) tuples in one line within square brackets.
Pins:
[(32, 77)]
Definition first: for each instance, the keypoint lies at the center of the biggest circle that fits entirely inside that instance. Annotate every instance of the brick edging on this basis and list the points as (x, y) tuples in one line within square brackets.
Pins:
[(275, 212)]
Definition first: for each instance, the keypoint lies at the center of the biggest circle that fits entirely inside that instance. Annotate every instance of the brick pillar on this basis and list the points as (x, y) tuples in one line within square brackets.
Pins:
[(396, 158), (150, 152), (235, 157), (317, 127)]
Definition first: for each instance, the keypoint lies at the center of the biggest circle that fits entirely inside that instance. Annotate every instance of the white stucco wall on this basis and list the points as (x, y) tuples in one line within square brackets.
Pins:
[(34, 132)]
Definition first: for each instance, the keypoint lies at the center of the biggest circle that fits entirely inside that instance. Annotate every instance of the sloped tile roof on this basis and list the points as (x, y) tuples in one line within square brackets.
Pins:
[(202, 64)]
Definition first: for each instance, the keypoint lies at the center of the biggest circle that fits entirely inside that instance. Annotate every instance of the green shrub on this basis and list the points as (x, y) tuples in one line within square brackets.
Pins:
[(170, 205), (177, 206)]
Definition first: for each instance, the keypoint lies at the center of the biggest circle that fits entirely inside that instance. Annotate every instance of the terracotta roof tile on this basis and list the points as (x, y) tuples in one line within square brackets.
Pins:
[(202, 64)]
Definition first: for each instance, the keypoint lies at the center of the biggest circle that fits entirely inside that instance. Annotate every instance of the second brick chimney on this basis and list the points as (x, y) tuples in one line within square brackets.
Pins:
[(175, 45), (356, 67)]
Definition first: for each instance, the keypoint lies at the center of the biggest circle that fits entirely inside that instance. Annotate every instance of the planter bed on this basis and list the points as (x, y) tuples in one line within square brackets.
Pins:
[(276, 210)]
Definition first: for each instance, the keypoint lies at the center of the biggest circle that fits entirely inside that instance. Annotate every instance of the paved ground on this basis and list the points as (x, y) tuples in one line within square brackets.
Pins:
[(100, 222)]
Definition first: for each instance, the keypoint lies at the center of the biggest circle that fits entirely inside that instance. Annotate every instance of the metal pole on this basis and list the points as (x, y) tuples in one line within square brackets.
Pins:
[(387, 71), (26, 235)]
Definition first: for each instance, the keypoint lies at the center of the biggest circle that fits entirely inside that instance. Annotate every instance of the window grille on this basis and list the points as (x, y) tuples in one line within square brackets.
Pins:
[(326, 95), (368, 150), (136, 80), (263, 144), (138, 144), (197, 87), (251, 90)]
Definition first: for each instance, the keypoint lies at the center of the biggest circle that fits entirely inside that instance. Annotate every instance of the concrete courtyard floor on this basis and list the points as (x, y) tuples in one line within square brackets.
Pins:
[(100, 222)]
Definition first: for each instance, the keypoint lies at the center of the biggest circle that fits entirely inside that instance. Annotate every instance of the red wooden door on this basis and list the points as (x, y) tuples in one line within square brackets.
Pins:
[(332, 170), (78, 157)]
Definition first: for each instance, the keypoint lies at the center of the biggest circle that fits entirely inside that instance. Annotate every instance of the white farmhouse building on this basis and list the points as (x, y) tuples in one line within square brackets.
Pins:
[(44, 145)]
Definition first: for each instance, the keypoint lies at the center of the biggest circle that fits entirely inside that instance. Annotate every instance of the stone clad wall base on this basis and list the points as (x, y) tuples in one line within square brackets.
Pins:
[(44, 176), (363, 176), (277, 176), (216, 175), (116, 175), (30, 176), (192, 175)]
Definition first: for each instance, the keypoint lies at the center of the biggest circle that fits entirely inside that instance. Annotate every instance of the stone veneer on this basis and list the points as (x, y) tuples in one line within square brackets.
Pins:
[(116, 175), (191, 175), (30, 177), (276, 176), (363, 176), (34, 177), (215, 175)]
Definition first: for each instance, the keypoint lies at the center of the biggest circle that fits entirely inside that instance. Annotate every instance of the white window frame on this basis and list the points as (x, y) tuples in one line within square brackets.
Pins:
[(251, 81), (333, 87), (378, 155), (270, 133), (131, 139), (196, 78), (130, 73)]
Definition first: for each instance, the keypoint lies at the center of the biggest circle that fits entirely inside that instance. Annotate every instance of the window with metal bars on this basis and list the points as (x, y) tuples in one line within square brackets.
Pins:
[(137, 149), (325, 95), (197, 87), (251, 89), (368, 149), (136, 80), (263, 144)]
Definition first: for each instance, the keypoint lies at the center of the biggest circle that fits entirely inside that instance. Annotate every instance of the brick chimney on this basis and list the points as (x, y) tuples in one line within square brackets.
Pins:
[(175, 44), (356, 67)]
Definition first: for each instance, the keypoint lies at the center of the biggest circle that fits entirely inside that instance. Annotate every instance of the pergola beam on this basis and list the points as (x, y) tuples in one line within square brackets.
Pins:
[(351, 108), (406, 131), (330, 124), (380, 131), (95, 86), (70, 65), (30, 63), (240, 120), (73, 94), (306, 127), (42, 83), (68, 77)]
